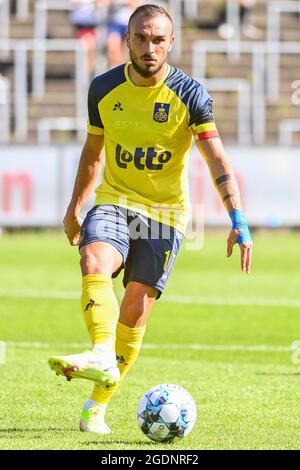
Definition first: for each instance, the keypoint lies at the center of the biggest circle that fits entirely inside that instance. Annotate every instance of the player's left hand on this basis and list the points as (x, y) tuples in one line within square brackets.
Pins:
[(245, 247)]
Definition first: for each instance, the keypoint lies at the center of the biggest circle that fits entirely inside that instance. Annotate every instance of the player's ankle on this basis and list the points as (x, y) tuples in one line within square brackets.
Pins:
[(103, 348), (90, 403), (106, 352)]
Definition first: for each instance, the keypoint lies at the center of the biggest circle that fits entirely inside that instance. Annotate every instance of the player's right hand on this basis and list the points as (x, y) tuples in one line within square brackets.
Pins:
[(72, 225)]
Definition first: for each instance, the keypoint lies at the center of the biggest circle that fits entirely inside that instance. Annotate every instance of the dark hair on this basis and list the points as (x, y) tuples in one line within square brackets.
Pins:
[(149, 11)]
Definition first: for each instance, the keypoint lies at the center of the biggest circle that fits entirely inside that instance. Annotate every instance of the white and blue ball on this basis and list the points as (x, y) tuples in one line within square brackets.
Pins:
[(165, 412)]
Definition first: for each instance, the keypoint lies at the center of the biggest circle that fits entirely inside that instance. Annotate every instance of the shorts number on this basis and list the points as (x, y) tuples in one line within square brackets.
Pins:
[(168, 267)]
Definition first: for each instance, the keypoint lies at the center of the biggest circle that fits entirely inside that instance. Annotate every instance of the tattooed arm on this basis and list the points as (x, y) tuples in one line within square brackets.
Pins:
[(223, 178)]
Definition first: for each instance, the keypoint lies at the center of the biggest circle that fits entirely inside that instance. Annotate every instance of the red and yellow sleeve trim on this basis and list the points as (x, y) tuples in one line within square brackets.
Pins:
[(94, 130), (207, 131)]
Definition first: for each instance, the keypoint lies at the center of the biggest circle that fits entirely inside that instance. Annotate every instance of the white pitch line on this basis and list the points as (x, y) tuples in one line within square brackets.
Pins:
[(40, 294), (177, 347), (232, 302), (217, 347), (177, 299)]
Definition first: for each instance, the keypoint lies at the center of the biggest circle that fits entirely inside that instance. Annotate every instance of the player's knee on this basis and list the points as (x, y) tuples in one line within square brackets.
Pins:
[(92, 264), (133, 312)]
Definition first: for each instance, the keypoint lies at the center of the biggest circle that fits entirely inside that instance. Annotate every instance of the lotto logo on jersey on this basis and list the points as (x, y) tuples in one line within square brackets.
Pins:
[(142, 158)]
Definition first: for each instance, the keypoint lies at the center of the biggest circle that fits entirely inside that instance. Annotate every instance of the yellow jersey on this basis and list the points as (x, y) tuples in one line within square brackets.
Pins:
[(148, 132)]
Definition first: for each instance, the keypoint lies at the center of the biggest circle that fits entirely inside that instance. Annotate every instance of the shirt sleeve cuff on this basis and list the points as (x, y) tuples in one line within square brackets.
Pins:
[(95, 130)]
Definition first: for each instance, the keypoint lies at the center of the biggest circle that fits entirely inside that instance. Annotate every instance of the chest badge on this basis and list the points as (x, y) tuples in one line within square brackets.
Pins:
[(161, 112)]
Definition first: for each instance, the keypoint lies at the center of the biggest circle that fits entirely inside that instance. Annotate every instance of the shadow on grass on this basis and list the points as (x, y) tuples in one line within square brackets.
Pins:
[(20, 430), (76, 431), (275, 374), (117, 442), (101, 442)]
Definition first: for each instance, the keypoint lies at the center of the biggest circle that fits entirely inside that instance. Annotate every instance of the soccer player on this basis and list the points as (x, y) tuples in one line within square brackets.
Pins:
[(145, 114)]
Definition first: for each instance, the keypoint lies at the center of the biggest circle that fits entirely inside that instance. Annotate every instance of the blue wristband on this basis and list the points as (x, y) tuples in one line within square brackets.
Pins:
[(239, 221)]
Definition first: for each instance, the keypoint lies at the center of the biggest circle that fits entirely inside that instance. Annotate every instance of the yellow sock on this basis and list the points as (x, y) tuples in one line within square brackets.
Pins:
[(100, 308), (128, 345)]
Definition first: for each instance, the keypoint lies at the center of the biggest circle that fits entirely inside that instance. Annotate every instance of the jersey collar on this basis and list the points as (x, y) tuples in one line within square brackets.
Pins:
[(152, 86)]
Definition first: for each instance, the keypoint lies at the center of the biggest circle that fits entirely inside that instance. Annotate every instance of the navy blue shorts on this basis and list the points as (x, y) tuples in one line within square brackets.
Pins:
[(149, 248), (117, 28)]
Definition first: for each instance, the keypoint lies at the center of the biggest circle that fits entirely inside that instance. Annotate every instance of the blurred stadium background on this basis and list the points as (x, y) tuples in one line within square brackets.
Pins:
[(255, 84)]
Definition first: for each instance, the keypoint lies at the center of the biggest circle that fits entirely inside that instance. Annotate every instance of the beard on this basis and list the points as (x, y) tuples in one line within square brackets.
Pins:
[(144, 70)]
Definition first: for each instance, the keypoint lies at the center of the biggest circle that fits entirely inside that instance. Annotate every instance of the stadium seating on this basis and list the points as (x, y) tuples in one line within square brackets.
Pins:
[(63, 92)]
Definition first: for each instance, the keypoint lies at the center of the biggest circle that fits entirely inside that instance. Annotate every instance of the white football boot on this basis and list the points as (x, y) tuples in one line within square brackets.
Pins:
[(98, 365), (93, 418)]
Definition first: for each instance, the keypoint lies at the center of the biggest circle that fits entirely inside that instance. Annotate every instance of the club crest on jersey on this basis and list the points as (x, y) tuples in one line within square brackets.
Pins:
[(161, 112)]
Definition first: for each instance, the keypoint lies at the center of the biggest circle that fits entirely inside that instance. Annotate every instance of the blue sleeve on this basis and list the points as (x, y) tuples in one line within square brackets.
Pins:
[(93, 110)]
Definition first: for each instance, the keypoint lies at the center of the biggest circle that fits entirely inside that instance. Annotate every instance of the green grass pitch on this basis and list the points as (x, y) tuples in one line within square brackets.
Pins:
[(247, 397)]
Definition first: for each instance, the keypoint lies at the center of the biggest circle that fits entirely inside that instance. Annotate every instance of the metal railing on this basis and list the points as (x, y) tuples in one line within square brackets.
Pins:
[(175, 10), (259, 52), (232, 18), (20, 87), (264, 55), (190, 9), (275, 9), (40, 49), (258, 95), (20, 49), (199, 66), (22, 10), (21, 91), (286, 129), (80, 73), (4, 110), (46, 125), (41, 15), (43, 6), (40, 35), (242, 88), (4, 28)]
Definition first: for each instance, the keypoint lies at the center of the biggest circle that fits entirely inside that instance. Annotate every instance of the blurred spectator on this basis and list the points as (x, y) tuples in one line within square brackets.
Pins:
[(84, 17), (119, 12), (85, 21), (13, 6), (226, 30)]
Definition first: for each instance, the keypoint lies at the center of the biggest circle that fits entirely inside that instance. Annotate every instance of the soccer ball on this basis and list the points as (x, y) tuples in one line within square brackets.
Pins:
[(165, 412)]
